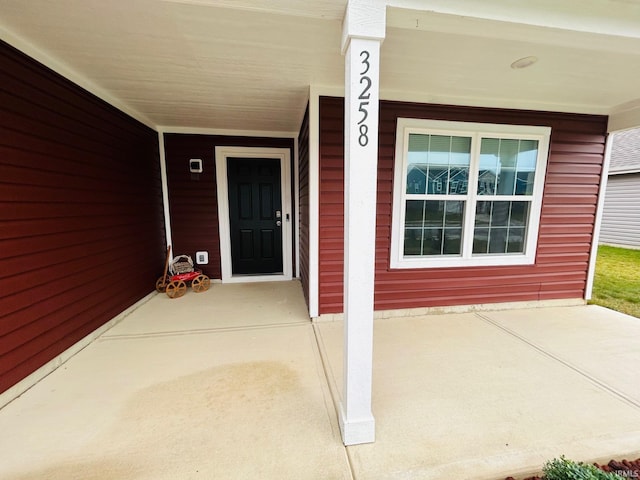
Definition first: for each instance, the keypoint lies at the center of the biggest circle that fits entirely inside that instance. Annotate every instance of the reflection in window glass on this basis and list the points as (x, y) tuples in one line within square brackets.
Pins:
[(433, 227), (438, 164), (507, 166), (500, 227), (527, 157)]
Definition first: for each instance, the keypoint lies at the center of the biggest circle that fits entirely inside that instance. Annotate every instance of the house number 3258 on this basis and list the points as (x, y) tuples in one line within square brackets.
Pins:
[(365, 80)]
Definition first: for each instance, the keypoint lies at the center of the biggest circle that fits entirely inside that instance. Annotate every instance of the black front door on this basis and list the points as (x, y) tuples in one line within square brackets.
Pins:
[(255, 215)]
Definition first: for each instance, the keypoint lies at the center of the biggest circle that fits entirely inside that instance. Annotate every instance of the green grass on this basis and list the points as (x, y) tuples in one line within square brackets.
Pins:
[(617, 281)]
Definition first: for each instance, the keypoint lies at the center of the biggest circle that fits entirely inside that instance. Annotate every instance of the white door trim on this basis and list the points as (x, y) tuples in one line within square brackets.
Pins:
[(282, 154)]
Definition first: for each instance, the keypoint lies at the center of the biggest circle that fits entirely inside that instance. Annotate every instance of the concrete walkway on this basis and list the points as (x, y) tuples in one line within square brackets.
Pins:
[(236, 383)]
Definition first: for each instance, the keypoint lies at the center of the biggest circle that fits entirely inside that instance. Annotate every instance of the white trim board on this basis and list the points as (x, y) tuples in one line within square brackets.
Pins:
[(165, 191), (429, 98), (595, 239), (314, 202), (296, 203), (226, 132), (284, 155)]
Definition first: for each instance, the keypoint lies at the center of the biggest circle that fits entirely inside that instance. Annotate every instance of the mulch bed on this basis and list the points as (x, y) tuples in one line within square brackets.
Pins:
[(624, 468)]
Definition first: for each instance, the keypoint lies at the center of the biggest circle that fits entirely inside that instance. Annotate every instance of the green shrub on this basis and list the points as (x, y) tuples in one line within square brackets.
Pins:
[(563, 469)]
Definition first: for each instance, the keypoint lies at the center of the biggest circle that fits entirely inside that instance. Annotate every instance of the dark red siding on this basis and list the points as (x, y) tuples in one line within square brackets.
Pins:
[(193, 197), (303, 219), (81, 220), (566, 227)]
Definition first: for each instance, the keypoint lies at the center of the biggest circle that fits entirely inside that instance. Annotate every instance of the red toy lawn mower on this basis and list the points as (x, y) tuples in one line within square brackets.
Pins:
[(182, 274)]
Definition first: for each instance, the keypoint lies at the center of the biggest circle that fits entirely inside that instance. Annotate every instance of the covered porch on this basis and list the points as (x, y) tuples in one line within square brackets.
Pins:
[(248, 72), (208, 386)]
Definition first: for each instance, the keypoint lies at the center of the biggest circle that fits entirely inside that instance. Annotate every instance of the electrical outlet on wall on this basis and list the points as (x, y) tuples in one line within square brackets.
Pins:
[(202, 258)]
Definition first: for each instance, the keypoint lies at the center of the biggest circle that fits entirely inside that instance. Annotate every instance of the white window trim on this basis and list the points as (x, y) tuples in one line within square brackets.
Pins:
[(476, 131)]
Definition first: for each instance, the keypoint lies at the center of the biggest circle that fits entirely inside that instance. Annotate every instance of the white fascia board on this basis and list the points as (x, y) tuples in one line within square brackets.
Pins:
[(487, 102), (326, 10), (482, 102), (588, 16), (72, 75), (226, 132)]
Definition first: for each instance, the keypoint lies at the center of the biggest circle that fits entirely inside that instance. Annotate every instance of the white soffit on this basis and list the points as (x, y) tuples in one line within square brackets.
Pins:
[(247, 64), (189, 64), (475, 70), (463, 59)]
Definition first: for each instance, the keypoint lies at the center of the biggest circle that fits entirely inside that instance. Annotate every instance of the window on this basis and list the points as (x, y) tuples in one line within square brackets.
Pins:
[(467, 194)]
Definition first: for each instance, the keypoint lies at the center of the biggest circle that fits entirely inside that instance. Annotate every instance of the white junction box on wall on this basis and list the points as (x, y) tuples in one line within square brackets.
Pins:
[(195, 165), (202, 258)]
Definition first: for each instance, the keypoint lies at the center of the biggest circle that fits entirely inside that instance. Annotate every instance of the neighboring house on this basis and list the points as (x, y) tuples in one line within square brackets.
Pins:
[(464, 177), (621, 214)]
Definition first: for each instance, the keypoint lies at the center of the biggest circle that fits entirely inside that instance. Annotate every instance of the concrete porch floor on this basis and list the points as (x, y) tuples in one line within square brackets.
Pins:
[(236, 383)]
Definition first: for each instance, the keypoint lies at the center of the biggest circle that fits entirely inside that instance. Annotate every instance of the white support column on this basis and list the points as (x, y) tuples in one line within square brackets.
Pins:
[(363, 27), (595, 239)]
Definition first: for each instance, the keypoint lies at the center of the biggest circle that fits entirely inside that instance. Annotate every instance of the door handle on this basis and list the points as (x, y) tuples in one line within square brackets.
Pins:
[(278, 223)]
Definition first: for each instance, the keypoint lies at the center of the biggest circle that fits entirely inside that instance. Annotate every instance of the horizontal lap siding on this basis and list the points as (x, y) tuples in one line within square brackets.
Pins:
[(81, 217), (193, 200), (621, 216), (303, 218), (566, 227), (331, 221)]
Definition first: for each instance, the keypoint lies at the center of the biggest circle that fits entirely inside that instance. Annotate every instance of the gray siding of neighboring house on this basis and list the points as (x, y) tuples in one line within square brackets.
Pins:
[(621, 216)]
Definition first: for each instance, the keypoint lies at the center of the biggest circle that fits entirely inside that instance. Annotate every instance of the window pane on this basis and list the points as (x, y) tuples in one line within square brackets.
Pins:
[(519, 213), (500, 227), (507, 173), (412, 241), (507, 166), (432, 241), (497, 240), (487, 175), (433, 227), (434, 213), (438, 164), (516, 240), (481, 240), (414, 216), (452, 241), (416, 179), (454, 214), (527, 158), (500, 214), (483, 214), (414, 213)]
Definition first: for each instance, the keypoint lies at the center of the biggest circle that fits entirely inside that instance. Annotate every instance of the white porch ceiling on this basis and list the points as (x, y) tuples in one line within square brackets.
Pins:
[(248, 64)]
